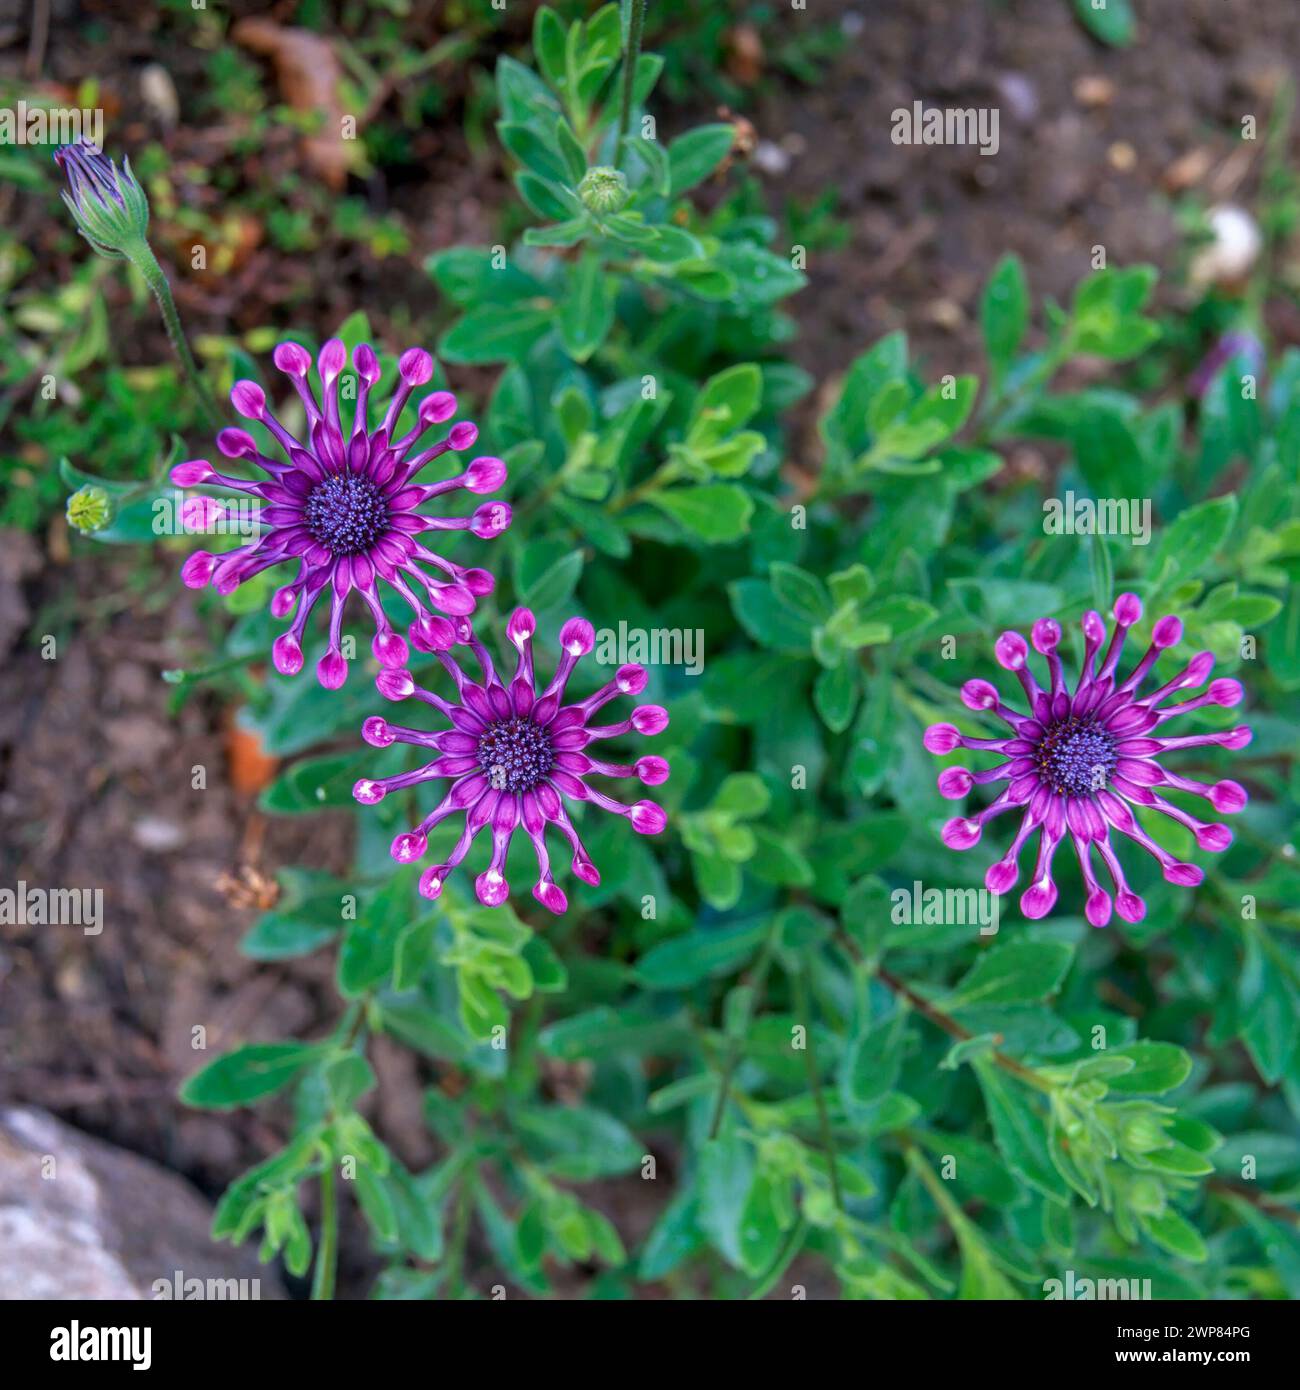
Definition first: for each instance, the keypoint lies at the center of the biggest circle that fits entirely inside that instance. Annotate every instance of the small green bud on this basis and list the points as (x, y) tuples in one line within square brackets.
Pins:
[(1147, 1196), (89, 509), (603, 189), (1143, 1133)]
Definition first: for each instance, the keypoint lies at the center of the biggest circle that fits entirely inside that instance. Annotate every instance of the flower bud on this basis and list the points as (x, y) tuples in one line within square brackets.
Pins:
[(603, 189), (107, 204), (89, 509)]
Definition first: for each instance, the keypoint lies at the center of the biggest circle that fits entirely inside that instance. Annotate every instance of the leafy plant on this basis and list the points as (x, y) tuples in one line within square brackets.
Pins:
[(818, 1076)]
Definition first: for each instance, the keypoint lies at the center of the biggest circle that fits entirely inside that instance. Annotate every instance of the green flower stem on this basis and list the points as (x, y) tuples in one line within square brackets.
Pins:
[(459, 1239), (631, 54), (803, 1010), (953, 1214), (754, 982), (327, 1252), (147, 263)]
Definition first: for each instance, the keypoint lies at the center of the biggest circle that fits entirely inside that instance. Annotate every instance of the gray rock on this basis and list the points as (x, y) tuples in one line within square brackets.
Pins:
[(82, 1219)]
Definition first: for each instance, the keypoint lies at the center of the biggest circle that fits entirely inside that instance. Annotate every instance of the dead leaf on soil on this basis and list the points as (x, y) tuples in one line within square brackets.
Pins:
[(251, 768), (308, 71)]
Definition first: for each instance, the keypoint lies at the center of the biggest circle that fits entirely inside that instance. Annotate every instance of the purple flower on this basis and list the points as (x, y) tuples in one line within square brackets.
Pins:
[(513, 756), (1079, 763), (108, 206), (1230, 345), (347, 508)]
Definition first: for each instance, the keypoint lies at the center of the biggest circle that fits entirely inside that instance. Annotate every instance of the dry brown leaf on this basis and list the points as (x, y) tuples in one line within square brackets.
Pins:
[(251, 768), (744, 54), (308, 71)]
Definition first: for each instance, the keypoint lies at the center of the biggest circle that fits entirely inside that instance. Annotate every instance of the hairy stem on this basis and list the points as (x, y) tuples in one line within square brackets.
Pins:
[(803, 1010), (147, 263), (630, 56), (327, 1252), (735, 1044)]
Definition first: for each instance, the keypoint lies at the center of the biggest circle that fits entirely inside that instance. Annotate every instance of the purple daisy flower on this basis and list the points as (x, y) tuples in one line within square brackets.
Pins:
[(1079, 763), (513, 756), (347, 508)]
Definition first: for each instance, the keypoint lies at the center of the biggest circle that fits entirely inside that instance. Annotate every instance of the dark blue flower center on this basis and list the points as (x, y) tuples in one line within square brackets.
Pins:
[(1076, 757), (515, 754), (346, 513)]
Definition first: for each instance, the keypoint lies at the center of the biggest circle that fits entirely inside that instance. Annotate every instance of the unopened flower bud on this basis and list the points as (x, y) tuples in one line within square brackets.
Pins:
[(603, 189), (89, 509), (107, 204)]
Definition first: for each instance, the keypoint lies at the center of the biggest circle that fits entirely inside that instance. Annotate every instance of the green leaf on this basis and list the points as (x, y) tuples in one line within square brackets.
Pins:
[(578, 1142), (1158, 1067), (1176, 1234), (587, 310), (1019, 972), (547, 199), (547, 573), (765, 618), (777, 861), (376, 1203), (716, 512), (1268, 1009), (694, 156), (1193, 539), (1111, 21), (836, 696), (548, 46), (800, 591), (494, 333), (1106, 317), (938, 414), (370, 943), (725, 403), (698, 955), (312, 784), (760, 1231), (248, 1073), (558, 234), (530, 149), (1004, 313), (348, 1078), (1020, 1133), (761, 276), (726, 1173)]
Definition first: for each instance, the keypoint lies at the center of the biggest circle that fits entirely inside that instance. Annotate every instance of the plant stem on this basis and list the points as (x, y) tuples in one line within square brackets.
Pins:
[(327, 1252), (955, 1029), (459, 1240), (953, 1214), (631, 54), (803, 1010), (147, 264), (735, 1044)]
